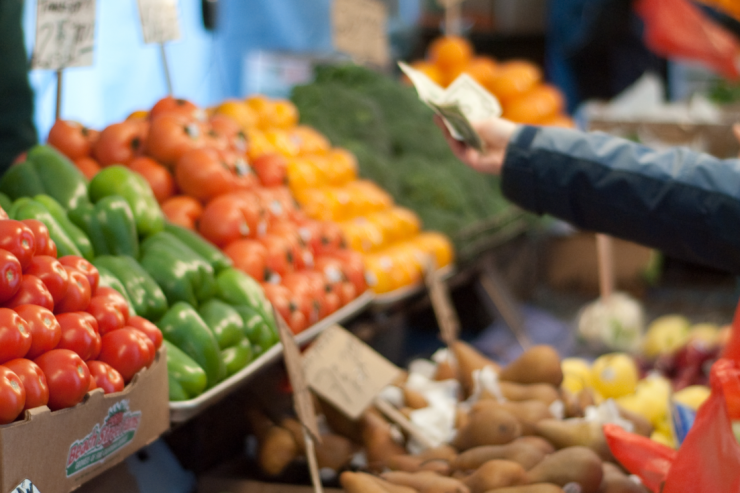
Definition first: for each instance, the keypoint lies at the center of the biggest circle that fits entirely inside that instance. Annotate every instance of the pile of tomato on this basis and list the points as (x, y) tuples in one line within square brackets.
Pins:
[(61, 334), (224, 174)]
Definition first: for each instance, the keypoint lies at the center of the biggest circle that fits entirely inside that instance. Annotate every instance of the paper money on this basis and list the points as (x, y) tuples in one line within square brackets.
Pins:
[(464, 101)]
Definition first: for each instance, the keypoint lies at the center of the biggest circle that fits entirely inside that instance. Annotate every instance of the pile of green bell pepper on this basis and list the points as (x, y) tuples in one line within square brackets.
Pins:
[(110, 226)]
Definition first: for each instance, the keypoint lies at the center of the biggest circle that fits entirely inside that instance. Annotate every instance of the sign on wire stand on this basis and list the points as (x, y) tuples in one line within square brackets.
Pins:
[(359, 29), (160, 21), (65, 34)]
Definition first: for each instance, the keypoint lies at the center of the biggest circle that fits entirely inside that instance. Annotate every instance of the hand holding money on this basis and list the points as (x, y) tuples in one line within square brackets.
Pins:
[(494, 132)]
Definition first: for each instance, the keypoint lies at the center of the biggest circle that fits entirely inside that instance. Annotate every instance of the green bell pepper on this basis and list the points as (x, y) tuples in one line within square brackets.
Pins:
[(260, 333), (110, 226), (26, 208), (224, 321), (120, 180), (5, 202), (84, 245), (107, 279), (187, 379), (237, 357), (46, 171), (184, 328), (237, 288), (201, 246), (183, 274), (145, 294)]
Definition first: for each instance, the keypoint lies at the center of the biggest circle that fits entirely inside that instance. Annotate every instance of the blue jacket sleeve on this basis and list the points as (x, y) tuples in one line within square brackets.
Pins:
[(684, 203)]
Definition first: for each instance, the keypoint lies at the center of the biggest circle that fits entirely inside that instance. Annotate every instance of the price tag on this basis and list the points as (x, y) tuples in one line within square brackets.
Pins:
[(444, 311), (346, 372), (65, 34), (25, 487), (159, 20), (359, 29), (302, 402)]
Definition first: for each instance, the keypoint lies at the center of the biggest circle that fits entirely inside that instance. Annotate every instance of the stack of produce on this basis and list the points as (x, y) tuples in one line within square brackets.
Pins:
[(517, 84), (398, 146), (63, 331), (324, 182), (214, 318), (491, 428)]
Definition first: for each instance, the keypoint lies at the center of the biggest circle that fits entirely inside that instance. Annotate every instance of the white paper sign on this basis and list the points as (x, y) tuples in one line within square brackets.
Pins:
[(359, 29), (65, 34), (26, 487), (160, 20)]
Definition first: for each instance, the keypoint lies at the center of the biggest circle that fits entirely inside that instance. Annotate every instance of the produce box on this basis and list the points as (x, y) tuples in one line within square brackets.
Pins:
[(59, 451)]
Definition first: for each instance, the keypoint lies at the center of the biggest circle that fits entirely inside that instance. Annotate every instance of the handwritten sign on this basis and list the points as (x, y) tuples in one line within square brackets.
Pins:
[(65, 34), (359, 29), (346, 372), (302, 402), (159, 20), (446, 315)]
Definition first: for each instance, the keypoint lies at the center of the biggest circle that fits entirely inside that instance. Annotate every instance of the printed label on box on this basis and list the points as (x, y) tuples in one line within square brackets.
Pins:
[(117, 430), (25, 487)]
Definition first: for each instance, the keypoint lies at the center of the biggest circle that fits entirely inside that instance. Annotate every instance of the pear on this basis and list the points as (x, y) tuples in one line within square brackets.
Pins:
[(444, 452), (414, 399), (570, 465), (378, 440), (426, 482), (540, 443), (468, 360), (495, 474), (532, 488), (360, 482), (525, 454), (615, 481), (404, 462), (487, 425), (572, 432), (529, 413), (277, 449), (538, 364), (537, 391), (445, 370)]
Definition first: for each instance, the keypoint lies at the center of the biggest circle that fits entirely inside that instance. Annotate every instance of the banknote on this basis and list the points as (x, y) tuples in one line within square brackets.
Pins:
[(464, 101)]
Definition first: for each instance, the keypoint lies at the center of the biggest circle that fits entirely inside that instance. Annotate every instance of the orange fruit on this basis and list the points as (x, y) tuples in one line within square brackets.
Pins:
[(436, 244), (309, 140), (450, 53), (535, 106), (138, 115), (285, 114), (483, 69), (281, 142), (379, 270), (238, 111), (258, 144), (430, 70), (514, 79), (302, 175), (264, 108), (408, 223), (341, 166)]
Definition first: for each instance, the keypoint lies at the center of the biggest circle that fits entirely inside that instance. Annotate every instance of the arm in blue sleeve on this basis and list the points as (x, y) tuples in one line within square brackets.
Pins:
[(684, 203)]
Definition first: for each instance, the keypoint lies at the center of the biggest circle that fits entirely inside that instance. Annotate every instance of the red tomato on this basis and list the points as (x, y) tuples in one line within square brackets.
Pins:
[(88, 166), (158, 177), (45, 329), (171, 136), (148, 329), (280, 254), (82, 265), (249, 256), (242, 174), (203, 174), (332, 303), (34, 381), (107, 313), (120, 143), (105, 377), (52, 273), (310, 232), (353, 267), (125, 350), (309, 301), (32, 292), (117, 298), (271, 169), (93, 383), (11, 275), (44, 244), (287, 306), (17, 238), (332, 269), (331, 238), (67, 376), (78, 295), (15, 335), (182, 210), (70, 138), (12, 396), (79, 334), (170, 105), (232, 216), (347, 292)]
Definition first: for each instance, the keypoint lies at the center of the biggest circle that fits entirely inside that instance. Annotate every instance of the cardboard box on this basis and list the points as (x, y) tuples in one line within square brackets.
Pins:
[(58, 451)]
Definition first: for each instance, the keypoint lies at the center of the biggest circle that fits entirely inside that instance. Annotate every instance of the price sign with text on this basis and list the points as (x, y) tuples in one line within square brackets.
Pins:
[(159, 20), (346, 372), (359, 29), (65, 34)]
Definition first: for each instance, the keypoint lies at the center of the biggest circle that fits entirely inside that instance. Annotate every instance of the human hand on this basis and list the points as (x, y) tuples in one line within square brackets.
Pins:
[(495, 134)]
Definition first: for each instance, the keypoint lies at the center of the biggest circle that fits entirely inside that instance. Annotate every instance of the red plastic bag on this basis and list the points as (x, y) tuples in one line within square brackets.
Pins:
[(709, 458), (676, 28)]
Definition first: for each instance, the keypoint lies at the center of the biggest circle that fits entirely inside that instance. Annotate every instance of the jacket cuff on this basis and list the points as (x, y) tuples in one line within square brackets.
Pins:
[(518, 179)]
